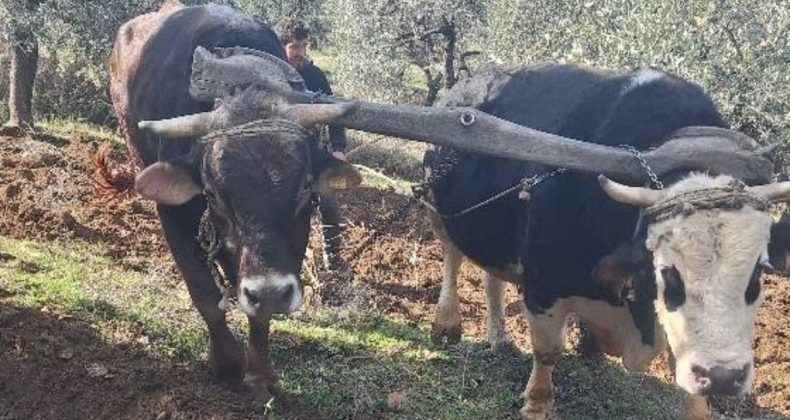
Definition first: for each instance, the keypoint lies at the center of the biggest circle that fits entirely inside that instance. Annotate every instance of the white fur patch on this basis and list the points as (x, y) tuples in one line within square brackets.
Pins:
[(495, 316), (715, 252), (447, 310), (615, 325), (643, 77)]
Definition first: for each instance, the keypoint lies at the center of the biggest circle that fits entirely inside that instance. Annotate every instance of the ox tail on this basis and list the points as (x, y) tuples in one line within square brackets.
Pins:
[(113, 172)]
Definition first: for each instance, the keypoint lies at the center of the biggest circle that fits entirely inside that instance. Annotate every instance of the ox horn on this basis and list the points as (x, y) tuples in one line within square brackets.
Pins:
[(635, 196), (311, 115), (768, 151), (777, 191), (196, 125)]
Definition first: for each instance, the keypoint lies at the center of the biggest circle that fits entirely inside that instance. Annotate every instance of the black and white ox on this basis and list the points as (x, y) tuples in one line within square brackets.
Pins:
[(688, 274), (249, 187)]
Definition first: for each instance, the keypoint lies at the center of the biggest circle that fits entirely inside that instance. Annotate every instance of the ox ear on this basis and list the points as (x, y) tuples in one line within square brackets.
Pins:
[(618, 270), (333, 174), (166, 183), (779, 247)]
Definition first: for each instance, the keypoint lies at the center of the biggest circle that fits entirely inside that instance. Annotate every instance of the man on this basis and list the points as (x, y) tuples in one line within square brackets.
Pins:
[(294, 35)]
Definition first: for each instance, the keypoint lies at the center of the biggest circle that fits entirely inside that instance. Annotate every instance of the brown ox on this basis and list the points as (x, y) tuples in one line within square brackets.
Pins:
[(246, 189)]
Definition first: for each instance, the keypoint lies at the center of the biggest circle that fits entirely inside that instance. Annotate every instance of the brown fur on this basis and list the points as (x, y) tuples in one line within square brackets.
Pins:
[(125, 58)]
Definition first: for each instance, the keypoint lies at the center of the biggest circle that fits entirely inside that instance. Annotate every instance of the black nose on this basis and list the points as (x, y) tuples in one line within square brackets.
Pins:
[(252, 297), (721, 381), (274, 298)]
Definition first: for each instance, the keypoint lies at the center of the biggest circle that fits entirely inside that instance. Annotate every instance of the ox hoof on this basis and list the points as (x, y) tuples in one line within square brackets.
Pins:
[(228, 370), (449, 334), (530, 412), (259, 387)]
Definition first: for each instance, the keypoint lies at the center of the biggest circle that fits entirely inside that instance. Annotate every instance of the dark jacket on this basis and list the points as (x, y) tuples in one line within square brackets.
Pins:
[(316, 81)]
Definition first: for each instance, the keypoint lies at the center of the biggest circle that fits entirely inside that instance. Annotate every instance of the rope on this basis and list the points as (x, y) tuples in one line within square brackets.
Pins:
[(724, 198)]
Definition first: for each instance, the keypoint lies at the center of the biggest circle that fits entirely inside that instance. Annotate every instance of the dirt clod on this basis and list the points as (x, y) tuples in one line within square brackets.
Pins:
[(56, 361)]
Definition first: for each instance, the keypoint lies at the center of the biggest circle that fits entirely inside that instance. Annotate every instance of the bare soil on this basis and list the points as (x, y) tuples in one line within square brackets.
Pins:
[(56, 366)]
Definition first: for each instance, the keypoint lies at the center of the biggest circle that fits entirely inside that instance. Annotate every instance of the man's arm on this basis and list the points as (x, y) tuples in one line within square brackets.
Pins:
[(337, 133)]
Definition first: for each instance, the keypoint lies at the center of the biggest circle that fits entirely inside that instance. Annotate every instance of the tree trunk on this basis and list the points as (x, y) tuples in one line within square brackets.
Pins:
[(24, 64), (434, 84), (449, 54)]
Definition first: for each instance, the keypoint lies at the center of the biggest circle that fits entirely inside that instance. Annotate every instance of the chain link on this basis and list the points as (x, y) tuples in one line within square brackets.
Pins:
[(524, 185), (210, 242), (643, 162), (440, 172)]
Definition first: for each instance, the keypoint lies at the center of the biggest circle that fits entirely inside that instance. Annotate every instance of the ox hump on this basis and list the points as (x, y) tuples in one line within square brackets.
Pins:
[(643, 77)]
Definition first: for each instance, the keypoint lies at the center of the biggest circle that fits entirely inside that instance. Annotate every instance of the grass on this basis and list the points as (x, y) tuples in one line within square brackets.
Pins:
[(325, 59), (72, 129), (346, 364)]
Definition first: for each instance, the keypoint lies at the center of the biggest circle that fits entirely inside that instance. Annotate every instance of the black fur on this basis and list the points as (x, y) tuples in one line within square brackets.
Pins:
[(569, 224)]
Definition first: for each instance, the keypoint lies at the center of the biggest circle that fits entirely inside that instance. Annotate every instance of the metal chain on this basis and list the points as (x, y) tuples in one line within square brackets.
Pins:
[(207, 237), (525, 185), (442, 170), (643, 162)]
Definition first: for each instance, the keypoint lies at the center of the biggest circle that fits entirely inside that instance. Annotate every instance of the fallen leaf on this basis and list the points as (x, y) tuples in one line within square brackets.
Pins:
[(96, 370), (394, 400), (66, 354)]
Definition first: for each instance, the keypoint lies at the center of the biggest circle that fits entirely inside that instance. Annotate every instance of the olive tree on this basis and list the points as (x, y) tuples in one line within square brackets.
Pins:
[(18, 28), (738, 50), (401, 50), (61, 47)]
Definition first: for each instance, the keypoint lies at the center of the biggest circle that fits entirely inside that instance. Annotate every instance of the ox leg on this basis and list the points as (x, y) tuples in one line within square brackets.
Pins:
[(180, 228), (260, 377), (495, 317), (447, 324), (695, 407), (547, 333)]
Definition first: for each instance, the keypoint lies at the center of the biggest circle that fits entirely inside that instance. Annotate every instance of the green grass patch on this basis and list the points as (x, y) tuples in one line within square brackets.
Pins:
[(376, 179), (72, 129), (124, 306), (325, 59), (344, 363)]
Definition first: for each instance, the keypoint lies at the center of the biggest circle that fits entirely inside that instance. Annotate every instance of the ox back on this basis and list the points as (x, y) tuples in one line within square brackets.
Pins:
[(159, 80), (553, 241)]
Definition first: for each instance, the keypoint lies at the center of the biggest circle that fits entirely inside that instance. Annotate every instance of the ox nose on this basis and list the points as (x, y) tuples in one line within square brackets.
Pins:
[(719, 380), (272, 294)]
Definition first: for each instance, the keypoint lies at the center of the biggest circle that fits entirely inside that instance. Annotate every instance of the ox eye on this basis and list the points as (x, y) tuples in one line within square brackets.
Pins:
[(753, 289), (674, 291)]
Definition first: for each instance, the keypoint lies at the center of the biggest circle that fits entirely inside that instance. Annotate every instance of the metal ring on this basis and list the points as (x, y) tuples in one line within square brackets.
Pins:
[(467, 119)]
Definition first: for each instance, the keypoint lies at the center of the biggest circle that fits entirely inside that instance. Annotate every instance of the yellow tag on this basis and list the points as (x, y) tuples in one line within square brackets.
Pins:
[(338, 183)]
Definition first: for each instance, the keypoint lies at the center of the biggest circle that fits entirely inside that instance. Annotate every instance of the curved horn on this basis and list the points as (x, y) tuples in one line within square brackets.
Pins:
[(635, 196), (195, 125), (309, 116), (768, 150), (777, 191)]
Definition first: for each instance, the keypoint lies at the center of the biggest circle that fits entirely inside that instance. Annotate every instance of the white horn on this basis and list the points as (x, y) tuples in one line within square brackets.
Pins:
[(311, 115), (195, 125), (778, 191), (635, 196)]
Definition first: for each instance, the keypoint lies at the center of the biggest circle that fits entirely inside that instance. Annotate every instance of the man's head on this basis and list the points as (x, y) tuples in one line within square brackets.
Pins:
[(294, 35)]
